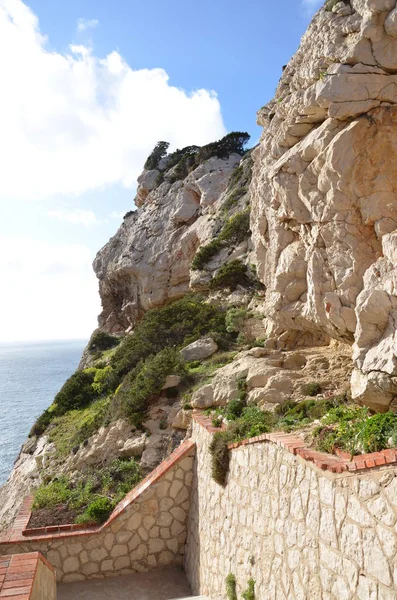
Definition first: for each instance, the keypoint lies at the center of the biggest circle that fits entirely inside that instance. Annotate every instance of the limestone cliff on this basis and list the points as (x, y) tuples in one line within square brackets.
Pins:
[(148, 262), (193, 204), (324, 192), (316, 276)]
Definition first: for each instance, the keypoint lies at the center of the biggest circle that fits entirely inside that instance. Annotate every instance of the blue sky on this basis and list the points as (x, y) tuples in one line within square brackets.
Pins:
[(90, 86)]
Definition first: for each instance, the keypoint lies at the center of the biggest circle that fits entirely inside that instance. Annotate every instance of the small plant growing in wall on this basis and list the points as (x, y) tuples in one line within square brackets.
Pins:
[(231, 587), (249, 593), (220, 457)]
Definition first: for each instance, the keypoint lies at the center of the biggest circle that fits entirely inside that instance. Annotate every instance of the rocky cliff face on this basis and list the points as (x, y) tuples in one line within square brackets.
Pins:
[(148, 262), (323, 216), (323, 212), (324, 192)]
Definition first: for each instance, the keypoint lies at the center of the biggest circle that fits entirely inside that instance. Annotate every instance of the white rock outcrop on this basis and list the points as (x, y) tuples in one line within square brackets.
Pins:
[(323, 196), (147, 263), (271, 377), (199, 350)]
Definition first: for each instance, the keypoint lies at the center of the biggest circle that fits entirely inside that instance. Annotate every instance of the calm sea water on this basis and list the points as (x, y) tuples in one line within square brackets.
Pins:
[(30, 376)]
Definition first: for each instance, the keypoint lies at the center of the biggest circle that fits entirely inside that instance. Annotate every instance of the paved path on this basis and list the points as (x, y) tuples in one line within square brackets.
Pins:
[(162, 584)]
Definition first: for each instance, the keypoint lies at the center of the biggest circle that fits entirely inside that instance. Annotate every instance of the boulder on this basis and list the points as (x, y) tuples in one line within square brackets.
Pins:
[(203, 397), (199, 350), (171, 382), (182, 419), (133, 447)]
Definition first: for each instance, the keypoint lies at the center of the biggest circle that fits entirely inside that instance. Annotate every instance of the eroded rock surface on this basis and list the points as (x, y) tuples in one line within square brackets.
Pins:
[(324, 207), (148, 262), (272, 377)]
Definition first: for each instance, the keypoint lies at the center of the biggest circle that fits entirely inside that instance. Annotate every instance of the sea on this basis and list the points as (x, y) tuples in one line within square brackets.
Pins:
[(31, 374)]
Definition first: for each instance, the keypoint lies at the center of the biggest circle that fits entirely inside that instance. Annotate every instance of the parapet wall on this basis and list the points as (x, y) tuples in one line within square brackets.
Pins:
[(27, 577), (146, 530), (300, 532)]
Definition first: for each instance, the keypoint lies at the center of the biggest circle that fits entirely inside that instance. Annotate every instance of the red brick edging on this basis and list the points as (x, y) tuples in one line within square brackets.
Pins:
[(17, 574), (20, 533), (335, 463)]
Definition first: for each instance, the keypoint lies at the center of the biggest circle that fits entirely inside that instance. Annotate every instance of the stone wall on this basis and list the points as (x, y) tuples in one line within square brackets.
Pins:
[(299, 532), (146, 530)]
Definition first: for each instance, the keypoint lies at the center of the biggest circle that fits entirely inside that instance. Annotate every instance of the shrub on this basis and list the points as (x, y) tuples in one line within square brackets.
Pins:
[(41, 423), (311, 389), (235, 408), (294, 414), (158, 152), (174, 325), (217, 421), (249, 593), (242, 388), (252, 422), (235, 177), (237, 228), (105, 381), (76, 426), (238, 183), (233, 142), (181, 162), (231, 583), (206, 253), (100, 340), (52, 494), (235, 318), (234, 232), (147, 381), (377, 430), (233, 198), (76, 392), (220, 456), (340, 428), (230, 276), (97, 511)]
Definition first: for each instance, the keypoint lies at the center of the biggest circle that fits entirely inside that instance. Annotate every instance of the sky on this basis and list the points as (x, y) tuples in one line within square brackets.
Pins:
[(87, 89)]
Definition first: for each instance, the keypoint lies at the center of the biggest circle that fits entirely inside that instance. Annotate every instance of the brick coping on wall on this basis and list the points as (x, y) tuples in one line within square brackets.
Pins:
[(20, 533), (17, 574), (339, 463)]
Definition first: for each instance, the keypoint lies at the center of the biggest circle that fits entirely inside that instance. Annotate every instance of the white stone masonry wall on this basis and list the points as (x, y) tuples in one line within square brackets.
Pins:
[(300, 533), (150, 533)]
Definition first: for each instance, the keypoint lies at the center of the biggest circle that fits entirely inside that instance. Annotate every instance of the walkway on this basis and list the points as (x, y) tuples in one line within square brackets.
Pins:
[(162, 584)]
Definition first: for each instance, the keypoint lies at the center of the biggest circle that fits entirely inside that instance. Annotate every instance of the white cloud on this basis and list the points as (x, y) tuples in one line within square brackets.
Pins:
[(74, 122), (76, 216), (84, 24), (52, 290)]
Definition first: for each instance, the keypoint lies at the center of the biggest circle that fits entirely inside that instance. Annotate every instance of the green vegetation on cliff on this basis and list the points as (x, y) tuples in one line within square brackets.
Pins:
[(235, 231), (180, 163), (137, 371), (172, 326)]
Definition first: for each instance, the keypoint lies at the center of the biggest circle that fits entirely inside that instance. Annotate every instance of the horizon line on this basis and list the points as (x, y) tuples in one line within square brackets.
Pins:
[(43, 341)]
